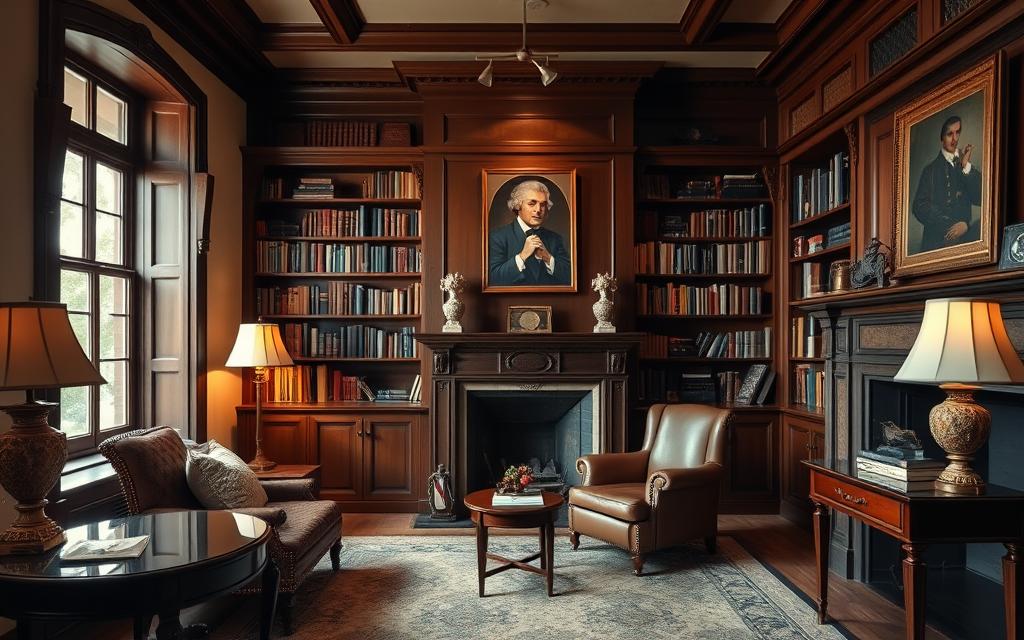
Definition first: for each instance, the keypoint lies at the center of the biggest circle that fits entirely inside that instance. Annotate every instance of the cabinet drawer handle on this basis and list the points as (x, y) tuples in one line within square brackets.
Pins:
[(360, 434), (850, 498)]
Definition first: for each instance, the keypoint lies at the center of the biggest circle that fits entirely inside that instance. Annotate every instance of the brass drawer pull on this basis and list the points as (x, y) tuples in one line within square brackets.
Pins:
[(850, 498)]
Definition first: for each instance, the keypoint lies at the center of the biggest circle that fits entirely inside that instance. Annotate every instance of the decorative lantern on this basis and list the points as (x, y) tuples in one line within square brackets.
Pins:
[(439, 495)]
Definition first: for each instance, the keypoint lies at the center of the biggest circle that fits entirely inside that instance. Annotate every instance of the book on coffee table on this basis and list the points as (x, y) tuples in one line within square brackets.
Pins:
[(524, 499), (115, 549)]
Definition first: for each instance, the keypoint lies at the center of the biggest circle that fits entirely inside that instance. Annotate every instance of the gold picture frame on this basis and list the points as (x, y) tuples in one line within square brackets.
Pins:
[(529, 319), (947, 201), (504, 236)]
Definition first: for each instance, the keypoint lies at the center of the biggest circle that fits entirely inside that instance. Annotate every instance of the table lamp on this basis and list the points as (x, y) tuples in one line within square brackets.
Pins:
[(259, 345), (962, 343), (38, 350)]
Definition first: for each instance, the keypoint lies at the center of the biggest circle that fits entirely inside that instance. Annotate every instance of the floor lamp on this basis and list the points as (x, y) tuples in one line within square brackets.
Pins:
[(38, 350), (259, 345), (962, 343)]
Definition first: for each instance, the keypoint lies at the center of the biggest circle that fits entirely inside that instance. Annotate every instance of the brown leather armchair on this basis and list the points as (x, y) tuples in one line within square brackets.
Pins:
[(661, 496), (150, 464)]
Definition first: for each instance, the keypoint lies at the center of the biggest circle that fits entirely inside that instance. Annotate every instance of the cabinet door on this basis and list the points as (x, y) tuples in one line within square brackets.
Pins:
[(285, 438), (388, 462), (801, 440), (339, 452), (751, 455)]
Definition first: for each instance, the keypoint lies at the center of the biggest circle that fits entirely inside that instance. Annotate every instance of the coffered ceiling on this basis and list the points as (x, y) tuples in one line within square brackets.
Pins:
[(248, 41)]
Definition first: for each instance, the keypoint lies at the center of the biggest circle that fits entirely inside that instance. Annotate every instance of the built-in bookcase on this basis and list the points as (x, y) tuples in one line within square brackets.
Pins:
[(703, 263)]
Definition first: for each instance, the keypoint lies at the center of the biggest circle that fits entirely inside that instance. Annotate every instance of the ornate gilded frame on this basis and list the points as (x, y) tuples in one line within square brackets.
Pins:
[(496, 186), (985, 77)]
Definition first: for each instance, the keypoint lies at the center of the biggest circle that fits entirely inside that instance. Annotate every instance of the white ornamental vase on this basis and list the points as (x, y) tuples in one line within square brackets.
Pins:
[(603, 313), (453, 309)]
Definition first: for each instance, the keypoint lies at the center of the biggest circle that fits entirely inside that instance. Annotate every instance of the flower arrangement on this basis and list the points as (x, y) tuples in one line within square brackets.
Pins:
[(515, 479), (604, 282), (453, 282)]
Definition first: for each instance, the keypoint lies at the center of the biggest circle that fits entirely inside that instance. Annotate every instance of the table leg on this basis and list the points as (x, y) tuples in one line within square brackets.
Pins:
[(1013, 583), (543, 539), (170, 625), (481, 552), (549, 549), (140, 627), (914, 580), (822, 533), (268, 597)]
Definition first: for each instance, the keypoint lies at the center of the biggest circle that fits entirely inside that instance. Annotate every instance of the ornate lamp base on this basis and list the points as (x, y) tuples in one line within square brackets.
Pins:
[(261, 462), (960, 426), (32, 455)]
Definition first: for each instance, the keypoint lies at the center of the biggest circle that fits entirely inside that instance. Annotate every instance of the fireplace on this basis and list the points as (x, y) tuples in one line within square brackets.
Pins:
[(865, 350), (548, 428), (575, 385)]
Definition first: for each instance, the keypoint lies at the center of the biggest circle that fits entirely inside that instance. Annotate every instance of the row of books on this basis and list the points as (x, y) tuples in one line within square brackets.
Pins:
[(807, 245), (804, 338), (723, 387), (353, 341), (716, 299), (336, 223), (750, 222), (751, 257), (305, 383), (412, 394), (341, 133), (821, 188), (809, 385), (839, 234), (899, 474), (664, 186), (709, 344), (384, 183), (278, 256), (338, 298)]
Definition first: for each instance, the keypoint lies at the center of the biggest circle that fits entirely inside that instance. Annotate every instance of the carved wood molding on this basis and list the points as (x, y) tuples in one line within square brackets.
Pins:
[(442, 362), (771, 180), (531, 362), (700, 19), (850, 129)]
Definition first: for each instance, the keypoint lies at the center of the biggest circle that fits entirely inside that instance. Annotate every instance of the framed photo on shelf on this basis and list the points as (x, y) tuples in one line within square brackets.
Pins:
[(1013, 247), (531, 213), (529, 319), (947, 166)]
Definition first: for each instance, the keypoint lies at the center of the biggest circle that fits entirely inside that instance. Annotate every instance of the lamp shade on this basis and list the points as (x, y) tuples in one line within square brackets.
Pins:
[(39, 349), (259, 345), (962, 341)]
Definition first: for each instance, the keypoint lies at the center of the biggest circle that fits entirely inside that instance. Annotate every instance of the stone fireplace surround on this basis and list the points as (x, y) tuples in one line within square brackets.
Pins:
[(600, 364)]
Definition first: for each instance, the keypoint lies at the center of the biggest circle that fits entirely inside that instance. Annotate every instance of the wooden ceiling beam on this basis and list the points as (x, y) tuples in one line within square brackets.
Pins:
[(700, 19), (508, 37), (343, 19)]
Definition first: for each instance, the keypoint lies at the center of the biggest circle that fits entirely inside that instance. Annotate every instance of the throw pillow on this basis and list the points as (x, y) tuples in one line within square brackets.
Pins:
[(221, 480)]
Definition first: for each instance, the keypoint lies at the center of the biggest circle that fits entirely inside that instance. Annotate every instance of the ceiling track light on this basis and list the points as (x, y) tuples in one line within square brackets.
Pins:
[(547, 74)]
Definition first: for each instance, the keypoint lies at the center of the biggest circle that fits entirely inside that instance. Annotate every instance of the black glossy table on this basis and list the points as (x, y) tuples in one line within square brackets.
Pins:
[(191, 556)]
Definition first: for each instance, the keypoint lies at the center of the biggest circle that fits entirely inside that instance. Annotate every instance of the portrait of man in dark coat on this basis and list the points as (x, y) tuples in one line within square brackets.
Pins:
[(525, 252), (949, 188)]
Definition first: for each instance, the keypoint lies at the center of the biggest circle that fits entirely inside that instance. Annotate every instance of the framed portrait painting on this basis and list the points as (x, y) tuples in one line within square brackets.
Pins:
[(947, 166), (529, 231)]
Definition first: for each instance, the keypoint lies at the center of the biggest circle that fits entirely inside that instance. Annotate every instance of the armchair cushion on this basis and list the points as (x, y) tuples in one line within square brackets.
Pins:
[(284, 490), (150, 465), (274, 516), (623, 501), (219, 479)]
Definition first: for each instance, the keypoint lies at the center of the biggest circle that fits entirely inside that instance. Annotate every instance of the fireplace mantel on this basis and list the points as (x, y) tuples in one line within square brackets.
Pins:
[(530, 362)]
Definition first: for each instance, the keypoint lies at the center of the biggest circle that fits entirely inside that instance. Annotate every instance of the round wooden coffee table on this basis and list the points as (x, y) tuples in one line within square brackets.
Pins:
[(485, 516)]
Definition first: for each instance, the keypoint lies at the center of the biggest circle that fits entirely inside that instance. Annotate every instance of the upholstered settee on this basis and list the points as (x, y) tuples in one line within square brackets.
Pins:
[(150, 464), (661, 496)]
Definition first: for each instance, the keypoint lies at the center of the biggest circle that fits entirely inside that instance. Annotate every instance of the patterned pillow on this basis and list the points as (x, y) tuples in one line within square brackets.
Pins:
[(220, 480)]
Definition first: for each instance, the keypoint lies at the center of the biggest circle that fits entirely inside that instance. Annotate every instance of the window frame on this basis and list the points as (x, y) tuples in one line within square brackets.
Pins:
[(96, 148)]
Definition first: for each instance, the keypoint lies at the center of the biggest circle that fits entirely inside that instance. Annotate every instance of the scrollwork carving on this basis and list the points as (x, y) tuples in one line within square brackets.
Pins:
[(442, 363)]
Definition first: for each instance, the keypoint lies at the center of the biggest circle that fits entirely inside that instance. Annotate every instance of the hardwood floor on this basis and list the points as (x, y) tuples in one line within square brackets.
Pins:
[(771, 539)]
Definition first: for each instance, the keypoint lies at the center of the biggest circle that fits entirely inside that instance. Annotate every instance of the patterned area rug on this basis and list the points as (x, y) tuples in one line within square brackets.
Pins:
[(425, 588)]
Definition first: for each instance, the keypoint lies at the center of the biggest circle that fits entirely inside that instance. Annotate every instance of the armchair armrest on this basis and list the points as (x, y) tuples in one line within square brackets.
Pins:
[(273, 516), (708, 473), (612, 468), (286, 490)]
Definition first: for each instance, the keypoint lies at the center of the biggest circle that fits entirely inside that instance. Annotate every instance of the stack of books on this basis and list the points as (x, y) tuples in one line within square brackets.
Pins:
[(742, 186), (897, 474), (392, 395), (839, 234), (525, 498), (314, 189)]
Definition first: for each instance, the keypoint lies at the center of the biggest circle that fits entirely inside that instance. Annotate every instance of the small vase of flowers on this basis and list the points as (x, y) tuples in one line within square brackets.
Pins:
[(516, 479)]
